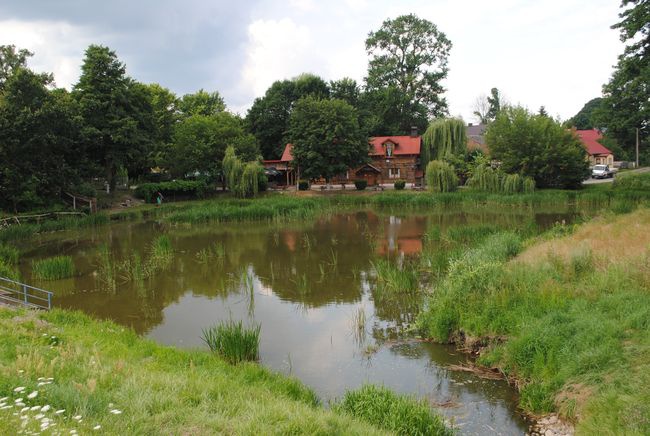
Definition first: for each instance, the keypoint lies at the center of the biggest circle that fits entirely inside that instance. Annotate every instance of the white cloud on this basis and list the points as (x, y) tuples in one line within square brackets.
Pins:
[(58, 47)]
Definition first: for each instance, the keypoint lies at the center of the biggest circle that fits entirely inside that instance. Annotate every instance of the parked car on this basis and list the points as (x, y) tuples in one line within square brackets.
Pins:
[(601, 172)]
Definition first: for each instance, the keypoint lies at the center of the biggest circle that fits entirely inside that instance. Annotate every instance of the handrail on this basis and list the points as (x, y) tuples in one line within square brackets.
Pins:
[(15, 292)]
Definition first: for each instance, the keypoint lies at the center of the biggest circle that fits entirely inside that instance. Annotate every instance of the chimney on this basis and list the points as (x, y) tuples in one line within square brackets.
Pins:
[(414, 131)]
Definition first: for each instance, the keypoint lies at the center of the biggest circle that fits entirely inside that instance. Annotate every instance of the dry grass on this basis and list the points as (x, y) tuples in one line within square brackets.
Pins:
[(610, 241)]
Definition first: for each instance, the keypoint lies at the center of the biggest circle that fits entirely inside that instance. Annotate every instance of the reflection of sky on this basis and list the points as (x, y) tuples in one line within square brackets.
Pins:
[(318, 346)]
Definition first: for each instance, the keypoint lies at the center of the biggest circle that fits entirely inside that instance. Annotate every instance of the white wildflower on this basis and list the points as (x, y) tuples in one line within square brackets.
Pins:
[(35, 408), (76, 418), (97, 427), (45, 408), (24, 409), (32, 395), (116, 412), (39, 416), (19, 389), (18, 400), (3, 399), (58, 412)]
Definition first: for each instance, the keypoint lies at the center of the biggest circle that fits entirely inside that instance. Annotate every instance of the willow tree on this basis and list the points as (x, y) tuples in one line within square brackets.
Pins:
[(242, 178), (441, 176), (445, 137)]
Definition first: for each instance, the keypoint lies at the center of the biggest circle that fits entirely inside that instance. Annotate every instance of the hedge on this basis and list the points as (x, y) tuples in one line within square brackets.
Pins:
[(186, 188)]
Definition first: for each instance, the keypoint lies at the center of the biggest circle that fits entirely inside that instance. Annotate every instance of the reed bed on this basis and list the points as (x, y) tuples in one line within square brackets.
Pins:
[(53, 268), (233, 342)]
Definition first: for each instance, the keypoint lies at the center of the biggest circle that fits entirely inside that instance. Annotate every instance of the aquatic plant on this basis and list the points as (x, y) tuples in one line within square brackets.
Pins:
[(441, 176), (53, 268), (107, 270), (9, 254), (398, 414), (161, 255), (358, 324), (394, 280), (233, 342)]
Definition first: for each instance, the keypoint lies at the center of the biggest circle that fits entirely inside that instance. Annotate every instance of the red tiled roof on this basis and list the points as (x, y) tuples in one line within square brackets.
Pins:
[(590, 139), (403, 145), (286, 154)]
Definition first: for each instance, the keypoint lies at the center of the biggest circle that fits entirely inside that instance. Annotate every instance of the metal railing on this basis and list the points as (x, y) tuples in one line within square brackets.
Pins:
[(19, 294)]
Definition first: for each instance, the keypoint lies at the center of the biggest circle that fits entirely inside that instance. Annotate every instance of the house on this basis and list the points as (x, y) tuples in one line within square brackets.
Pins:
[(391, 158), (597, 153), (476, 137)]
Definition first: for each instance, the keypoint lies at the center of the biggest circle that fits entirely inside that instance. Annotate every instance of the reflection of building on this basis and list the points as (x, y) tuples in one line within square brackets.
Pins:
[(597, 153), (401, 237)]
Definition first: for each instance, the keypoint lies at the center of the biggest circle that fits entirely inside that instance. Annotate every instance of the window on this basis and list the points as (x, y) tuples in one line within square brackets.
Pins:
[(389, 149), (393, 173)]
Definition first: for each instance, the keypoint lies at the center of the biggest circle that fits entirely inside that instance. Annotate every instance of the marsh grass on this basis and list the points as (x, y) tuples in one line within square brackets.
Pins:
[(53, 268), (395, 279), (9, 254), (161, 254), (358, 324), (397, 414), (233, 342), (107, 269)]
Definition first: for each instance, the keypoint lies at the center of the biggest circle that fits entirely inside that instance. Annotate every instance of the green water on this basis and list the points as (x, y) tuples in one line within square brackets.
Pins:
[(305, 283)]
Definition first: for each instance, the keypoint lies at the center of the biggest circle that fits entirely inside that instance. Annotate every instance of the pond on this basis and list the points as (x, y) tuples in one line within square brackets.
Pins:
[(311, 286)]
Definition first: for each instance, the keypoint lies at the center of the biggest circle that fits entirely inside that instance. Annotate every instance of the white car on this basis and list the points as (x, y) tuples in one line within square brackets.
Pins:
[(601, 172)]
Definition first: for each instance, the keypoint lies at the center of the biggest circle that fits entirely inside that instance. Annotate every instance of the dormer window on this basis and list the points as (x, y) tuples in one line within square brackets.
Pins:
[(389, 148)]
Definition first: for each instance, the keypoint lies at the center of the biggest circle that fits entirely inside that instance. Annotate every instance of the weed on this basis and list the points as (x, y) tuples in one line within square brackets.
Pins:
[(234, 342)]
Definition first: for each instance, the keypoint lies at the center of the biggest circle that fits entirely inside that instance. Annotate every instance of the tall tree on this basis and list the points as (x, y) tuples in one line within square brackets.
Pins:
[(166, 114), (626, 102), (584, 119), (494, 100), (537, 146), (41, 153), (11, 60), (326, 137), (410, 54), (346, 89), (445, 138), (201, 103), (113, 109), (482, 109)]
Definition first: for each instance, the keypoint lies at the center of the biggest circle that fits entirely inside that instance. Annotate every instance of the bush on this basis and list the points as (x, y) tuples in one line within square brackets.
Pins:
[(396, 413), (147, 191), (441, 176), (232, 341), (632, 182), (303, 185), (360, 184), (400, 184)]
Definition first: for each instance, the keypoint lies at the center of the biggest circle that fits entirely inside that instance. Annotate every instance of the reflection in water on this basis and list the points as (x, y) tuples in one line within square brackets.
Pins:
[(305, 284)]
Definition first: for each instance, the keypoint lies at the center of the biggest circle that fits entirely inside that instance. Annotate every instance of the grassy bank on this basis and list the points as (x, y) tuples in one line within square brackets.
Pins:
[(87, 373), (566, 315)]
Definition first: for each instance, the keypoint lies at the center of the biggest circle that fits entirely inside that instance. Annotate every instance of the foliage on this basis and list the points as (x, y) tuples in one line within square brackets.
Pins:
[(40, 146), (399, 184), (441, 176), (494, 100), (12, 60), (53, 268), (189, 188), (487, 179), (201, 103), (9, 254), (584, 119), (486, 108), (303, 185), (538, 147), (200, 142), (164, 105), (445, 137), (400, 415), (360, 184), (410, 54), (164, 389), (117, 112), (242, 178), (326, 137), (346, 89), (626, 97), (632, 181), (234, 342)]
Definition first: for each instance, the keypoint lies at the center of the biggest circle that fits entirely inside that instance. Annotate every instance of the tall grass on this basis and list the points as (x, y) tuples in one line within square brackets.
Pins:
[(9, 254), (107, 270), (161, 255), (233, 342), (394, 280), (397, 414), (632, 182), (53, 268)]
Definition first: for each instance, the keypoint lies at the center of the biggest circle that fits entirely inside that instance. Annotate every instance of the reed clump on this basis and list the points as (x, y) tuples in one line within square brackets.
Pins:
[(233, 341), (398, 414), (53, 268)]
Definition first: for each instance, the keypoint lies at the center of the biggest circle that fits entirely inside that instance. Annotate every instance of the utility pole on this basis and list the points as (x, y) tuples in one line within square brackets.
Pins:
[(637, 148)]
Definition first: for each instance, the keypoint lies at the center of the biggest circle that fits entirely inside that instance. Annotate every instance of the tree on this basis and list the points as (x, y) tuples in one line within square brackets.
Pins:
[(494, 100), (41, 153), (443, 139), (387, 111), (539, 147), (326, 137), (268, 117), (200, 142), (165, 116), (11, 60), (584, 119), (542, 111), (115, 110), (201, 103), (626, 102), (482, 109), (410, 55), (346, 89)]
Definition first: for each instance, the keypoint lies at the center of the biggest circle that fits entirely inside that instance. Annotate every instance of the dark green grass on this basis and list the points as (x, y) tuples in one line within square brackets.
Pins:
[(53, 268), (233, 342), (400, 415)]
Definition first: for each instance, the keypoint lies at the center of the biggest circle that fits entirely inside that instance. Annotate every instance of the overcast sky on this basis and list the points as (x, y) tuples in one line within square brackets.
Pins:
[(555, 53)]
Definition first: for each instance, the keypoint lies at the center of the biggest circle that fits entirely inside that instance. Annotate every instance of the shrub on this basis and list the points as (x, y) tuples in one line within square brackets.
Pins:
[(512, 183), (400, 184), (232, 341), (634, 181), (441, 176), (398, 414), (360, 184), (190, 188), (53, 268), (529, 185), (303, 185), (8, 254), (484, 178)]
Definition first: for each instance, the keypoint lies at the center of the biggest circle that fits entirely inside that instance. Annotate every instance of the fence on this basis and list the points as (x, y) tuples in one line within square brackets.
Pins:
[(19, 294)]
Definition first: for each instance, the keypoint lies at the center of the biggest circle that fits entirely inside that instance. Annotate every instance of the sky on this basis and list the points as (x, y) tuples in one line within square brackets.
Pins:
[(556, 53)]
